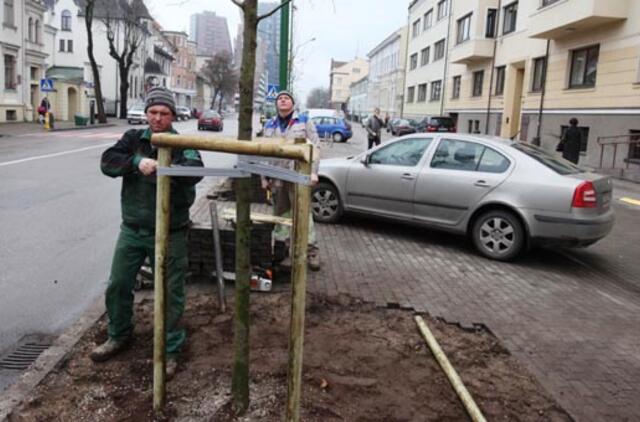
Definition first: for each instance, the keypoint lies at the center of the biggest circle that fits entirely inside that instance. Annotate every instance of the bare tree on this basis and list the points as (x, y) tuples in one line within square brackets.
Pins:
[(97, 87), (126, 32), (220, 73), (240, 379), (318, 98)]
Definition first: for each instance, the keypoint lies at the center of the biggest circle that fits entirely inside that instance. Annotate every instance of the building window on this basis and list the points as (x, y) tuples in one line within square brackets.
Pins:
[(410, 93), (415, 29), (492, 21), (464, 28), (413, 61), (442, 9), (422, 93), (8, 13), (65, 20), (455, 91), (424, 56), (62, 45), (634, 148), (584, 136), (37, 31), (478, 78), (9, 72), (510, 16), (30, 29), (438, 50), (539, 71), (500, 71), (69, 46), (436, 90), (584, 64), (355, 70), (427, 19)]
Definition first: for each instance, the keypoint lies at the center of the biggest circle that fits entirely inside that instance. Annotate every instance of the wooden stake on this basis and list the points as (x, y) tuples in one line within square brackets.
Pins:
[(300, 240), (159, 312)]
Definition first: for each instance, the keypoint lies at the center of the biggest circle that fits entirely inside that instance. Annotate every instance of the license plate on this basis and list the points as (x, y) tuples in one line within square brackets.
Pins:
[(443, 129)]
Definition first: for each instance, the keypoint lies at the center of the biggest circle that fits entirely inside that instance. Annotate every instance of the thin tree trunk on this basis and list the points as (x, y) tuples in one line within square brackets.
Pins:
[(124, 90), (97, 85), (240, 380)]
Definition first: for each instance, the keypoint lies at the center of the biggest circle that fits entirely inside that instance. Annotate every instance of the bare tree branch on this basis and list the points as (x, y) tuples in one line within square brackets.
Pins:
[(275, 9), (237, 3)]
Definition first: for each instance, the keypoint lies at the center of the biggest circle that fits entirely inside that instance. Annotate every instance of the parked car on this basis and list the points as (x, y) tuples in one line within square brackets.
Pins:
[(436, 124), (505, 195), (210, 120), (136, 114), (399, 127), (338, 129), (183, 113)]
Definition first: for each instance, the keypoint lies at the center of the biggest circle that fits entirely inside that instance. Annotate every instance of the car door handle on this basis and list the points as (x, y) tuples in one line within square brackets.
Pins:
[(408, 176), (482, 184)]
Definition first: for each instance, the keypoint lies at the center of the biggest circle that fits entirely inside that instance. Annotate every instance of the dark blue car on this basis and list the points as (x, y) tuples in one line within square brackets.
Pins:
[(333, 127)]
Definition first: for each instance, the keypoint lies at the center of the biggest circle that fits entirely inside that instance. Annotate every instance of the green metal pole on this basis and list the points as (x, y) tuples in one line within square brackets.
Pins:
[(284, 46)]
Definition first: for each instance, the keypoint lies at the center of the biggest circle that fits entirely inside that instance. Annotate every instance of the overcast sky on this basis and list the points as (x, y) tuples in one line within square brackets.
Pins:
[(343, 29)]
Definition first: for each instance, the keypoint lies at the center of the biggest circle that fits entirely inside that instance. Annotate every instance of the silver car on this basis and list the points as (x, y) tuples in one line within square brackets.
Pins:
[(136, 114), (505, 195)]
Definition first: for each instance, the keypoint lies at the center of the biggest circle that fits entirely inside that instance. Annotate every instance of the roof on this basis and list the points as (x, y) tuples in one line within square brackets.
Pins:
[(66, 74), (392, 37), (159, 50)]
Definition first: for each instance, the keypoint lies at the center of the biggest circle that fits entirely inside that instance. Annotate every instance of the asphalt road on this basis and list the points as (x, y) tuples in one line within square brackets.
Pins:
[(59, 219)]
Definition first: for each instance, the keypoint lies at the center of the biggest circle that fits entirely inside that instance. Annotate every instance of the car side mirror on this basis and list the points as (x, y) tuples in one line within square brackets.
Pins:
[(365, 160)]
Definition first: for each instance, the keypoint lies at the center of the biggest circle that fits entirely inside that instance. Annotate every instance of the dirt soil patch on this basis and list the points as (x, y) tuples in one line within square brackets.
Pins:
[(361, 363)]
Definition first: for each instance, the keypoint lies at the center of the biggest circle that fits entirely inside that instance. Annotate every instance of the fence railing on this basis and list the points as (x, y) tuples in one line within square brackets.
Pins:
[(614, 141)]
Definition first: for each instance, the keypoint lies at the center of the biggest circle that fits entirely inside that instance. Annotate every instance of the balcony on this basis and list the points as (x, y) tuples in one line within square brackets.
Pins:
[(567, 17), (472, 51)]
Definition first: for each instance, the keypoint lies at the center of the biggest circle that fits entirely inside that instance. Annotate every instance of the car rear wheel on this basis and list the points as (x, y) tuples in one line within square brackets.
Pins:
[(337, 137), (325, 203), (498, 235)]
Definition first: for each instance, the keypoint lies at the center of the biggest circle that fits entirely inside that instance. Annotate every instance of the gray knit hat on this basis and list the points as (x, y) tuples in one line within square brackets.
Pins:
[(160, 95), (287, 93)]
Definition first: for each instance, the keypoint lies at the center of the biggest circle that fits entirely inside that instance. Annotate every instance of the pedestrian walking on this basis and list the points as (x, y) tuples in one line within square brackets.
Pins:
[(43, 109), (289, 124), (373, 126), (133, 158), (570, 142)]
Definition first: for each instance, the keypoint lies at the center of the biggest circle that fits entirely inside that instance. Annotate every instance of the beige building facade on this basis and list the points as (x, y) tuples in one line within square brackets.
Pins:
[(341, 76), (522, 69)]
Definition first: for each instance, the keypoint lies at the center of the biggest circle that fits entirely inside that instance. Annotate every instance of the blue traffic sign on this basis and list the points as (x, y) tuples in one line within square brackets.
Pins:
[(272, 92), (46, 85)]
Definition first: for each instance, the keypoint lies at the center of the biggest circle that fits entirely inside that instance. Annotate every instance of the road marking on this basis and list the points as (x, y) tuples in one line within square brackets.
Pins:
[(630, 201), (57, 154)]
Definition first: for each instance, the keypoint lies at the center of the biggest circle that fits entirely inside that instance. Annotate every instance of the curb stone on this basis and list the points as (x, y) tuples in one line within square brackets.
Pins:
[(18, 392)]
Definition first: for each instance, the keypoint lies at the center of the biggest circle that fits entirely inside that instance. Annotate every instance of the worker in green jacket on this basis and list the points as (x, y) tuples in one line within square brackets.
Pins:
[(134, 159)]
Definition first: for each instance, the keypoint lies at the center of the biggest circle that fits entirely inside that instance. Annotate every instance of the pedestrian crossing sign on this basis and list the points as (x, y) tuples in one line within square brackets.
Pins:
[(272, 92), (46, 85)]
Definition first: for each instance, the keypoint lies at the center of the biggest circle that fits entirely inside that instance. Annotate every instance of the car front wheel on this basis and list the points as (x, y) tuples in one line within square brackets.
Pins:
[(325, 203), (498, 235)]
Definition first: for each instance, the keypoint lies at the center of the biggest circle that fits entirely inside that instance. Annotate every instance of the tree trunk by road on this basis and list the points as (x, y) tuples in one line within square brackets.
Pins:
[(97, 86)]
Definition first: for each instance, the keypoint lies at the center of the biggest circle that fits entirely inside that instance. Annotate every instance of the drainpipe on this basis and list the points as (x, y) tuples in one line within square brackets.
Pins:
[(446, 59), (406, 69), (493, 66), (536, 140)]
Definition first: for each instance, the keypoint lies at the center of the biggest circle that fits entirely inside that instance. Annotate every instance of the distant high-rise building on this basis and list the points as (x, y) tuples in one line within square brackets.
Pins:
[(210, 32), (269, 31)]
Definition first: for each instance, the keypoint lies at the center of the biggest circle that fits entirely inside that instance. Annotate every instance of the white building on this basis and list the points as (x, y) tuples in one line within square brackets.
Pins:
[(341, 75), (386, 74), (23, 58), (358, 98)]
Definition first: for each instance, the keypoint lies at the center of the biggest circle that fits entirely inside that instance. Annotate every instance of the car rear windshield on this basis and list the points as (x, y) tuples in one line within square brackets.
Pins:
[(442, 121), (210, 114), (559, 165)]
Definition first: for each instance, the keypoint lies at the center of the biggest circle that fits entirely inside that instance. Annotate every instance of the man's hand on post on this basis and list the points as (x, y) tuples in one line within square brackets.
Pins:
[(147, 166), (314, 179)]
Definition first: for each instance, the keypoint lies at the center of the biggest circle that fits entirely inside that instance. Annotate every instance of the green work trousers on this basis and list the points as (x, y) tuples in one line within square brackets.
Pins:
[(283, 203), (132, 248)]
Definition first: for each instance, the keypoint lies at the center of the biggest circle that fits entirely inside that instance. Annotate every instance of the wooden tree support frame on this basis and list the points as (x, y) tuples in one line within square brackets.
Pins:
[(299, 150)]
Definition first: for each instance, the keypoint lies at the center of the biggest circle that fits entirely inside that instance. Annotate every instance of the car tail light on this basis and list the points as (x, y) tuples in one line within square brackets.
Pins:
[(452, 129), (584, 196), (431, 128)]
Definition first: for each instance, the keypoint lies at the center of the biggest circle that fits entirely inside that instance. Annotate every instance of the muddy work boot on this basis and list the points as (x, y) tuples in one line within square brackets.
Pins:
[(108, 349), (313, 259), (172, 368)]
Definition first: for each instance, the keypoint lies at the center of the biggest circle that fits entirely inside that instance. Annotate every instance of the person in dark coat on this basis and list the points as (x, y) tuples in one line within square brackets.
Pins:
[(571, 142)]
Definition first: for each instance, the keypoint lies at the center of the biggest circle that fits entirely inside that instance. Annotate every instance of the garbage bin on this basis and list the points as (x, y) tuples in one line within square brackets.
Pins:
[(81, 120)]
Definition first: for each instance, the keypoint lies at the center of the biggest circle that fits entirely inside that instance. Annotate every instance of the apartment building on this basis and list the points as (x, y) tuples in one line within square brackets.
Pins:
[(522, 69), (341, 76), (23, 58), (359, 98), (427, 61), (183, 68), (386, 74)]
